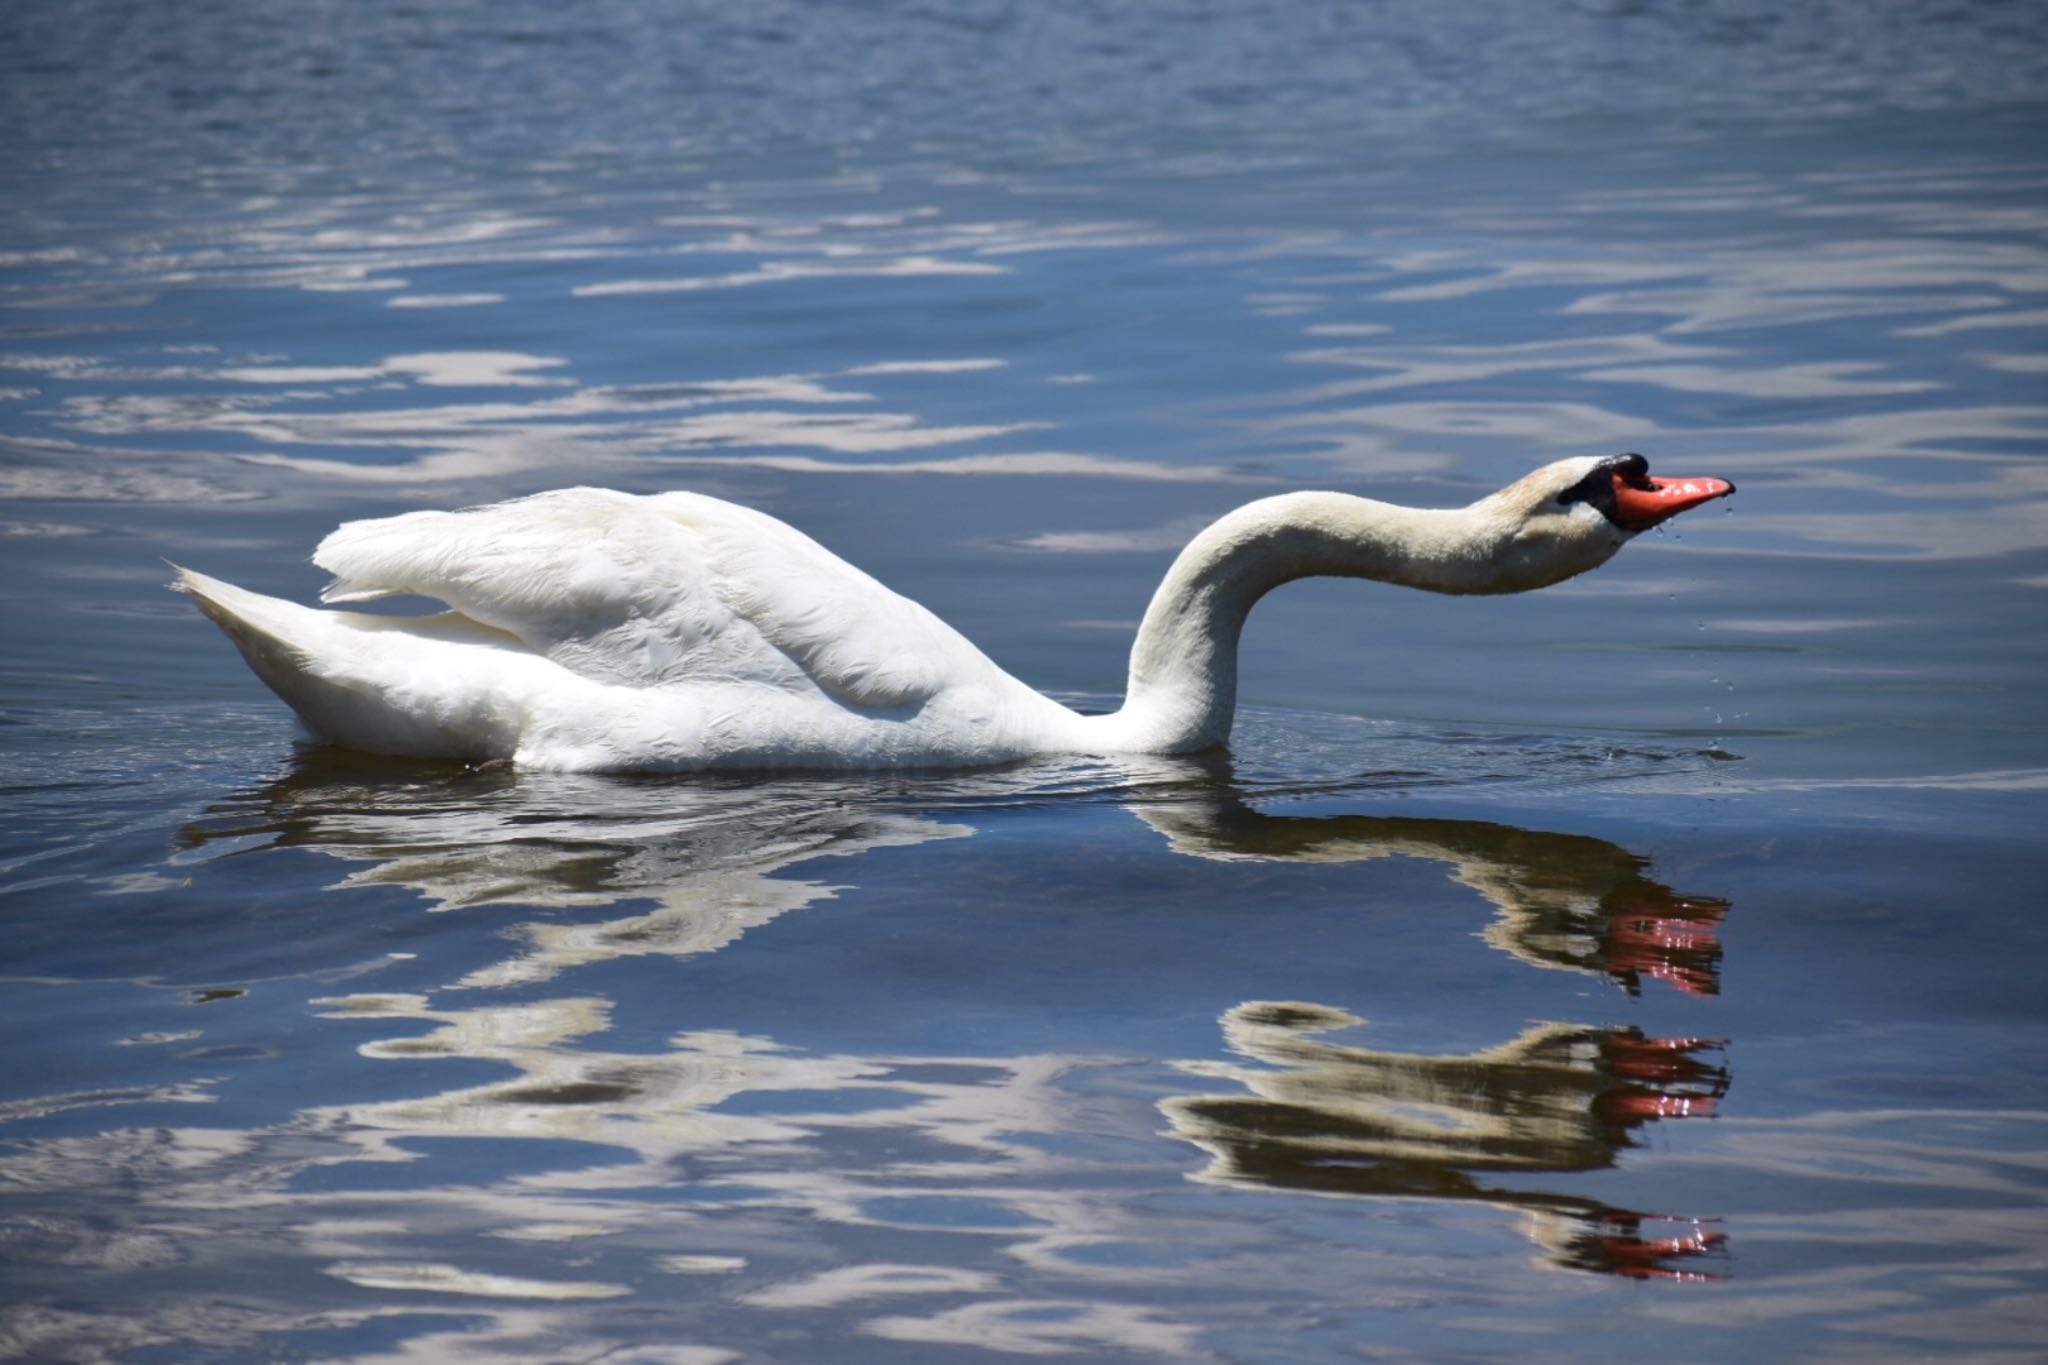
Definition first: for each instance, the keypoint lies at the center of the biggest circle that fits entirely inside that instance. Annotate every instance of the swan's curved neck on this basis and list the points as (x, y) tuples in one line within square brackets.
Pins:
[(1183, 683)]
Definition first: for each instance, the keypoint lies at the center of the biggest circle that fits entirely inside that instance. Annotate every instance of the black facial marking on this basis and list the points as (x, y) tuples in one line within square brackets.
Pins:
[(1597, 487)]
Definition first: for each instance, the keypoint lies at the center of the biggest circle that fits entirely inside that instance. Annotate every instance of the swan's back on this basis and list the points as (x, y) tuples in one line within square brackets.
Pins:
[(595, 629), (659, 591)]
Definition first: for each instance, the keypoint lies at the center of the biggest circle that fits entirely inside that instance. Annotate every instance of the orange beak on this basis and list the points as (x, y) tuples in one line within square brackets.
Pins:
[(1643, 503)]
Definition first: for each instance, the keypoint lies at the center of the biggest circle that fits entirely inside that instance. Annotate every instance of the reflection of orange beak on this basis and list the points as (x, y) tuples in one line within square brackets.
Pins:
[(1639, 1258), (1659, 1059), (1641, 506), (1669, 1082), (1640, 1106), (1680, 948)]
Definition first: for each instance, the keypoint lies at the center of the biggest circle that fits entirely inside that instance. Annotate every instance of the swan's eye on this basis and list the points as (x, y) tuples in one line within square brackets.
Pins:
[(1599, 484), (1634, 471), (1593, 488)]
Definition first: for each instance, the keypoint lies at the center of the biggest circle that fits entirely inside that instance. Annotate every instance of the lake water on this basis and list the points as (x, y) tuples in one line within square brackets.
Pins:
[(1645, 966)]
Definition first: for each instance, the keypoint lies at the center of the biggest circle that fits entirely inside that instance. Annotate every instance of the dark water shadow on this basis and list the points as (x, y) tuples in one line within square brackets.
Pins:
[(1567, 901)]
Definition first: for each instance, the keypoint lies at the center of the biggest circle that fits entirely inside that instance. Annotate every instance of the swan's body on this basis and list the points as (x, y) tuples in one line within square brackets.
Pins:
[(597, 630)]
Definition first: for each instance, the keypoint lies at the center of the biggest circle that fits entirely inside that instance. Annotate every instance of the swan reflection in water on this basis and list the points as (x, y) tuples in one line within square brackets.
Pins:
[(704, 852), (708, 853), (1561, 900), (703, 861), (1328, 1118)]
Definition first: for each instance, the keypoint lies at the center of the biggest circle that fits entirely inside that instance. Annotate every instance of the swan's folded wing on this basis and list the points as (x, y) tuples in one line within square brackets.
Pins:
[(583, 576), (657, 592), (852, 636)]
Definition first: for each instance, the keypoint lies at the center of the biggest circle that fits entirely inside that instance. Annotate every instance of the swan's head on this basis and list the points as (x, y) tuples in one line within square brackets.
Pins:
[(1571, 516)]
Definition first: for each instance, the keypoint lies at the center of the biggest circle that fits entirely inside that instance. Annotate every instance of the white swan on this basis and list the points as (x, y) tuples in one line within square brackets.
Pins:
[(599, 630)]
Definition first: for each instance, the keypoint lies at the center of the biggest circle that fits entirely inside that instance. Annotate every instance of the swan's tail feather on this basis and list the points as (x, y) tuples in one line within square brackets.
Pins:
[(326, 666), (261, 627), (343, 590)]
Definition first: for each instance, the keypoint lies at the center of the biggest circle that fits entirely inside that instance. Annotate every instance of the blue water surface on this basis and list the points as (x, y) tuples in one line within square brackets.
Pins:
[(1643, 966)]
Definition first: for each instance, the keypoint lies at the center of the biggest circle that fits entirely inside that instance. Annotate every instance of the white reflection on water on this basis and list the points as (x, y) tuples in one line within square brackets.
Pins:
[(1027, 1198), (2013, 364), (437, 369), (850, 1283), (1825, 379), (709, 858), (1730, 306), (443, 300), (422, 1277), (1043, 1327), (2001, 319), (1550, 426), (625, 429), (1047, 462), (1482, 307), (775, 272), (75, 471), (657, 1107), (1410, 366)]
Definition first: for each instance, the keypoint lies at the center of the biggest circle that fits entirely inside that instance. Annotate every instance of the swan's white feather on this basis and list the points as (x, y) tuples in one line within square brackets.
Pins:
[(647, 592), (598, 630)]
